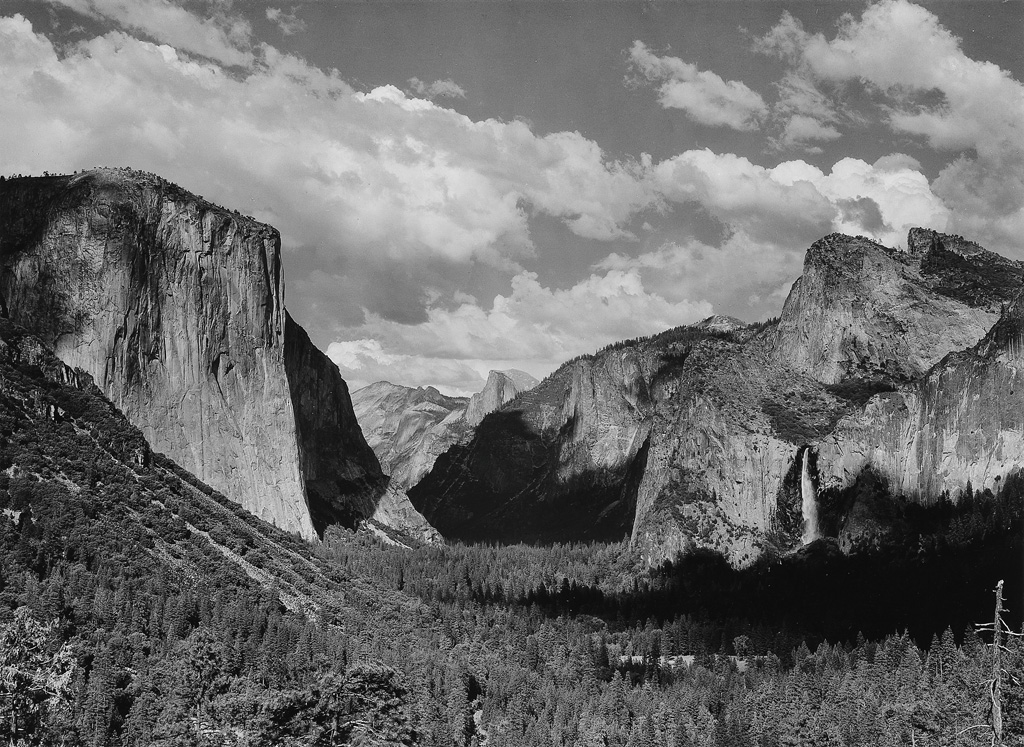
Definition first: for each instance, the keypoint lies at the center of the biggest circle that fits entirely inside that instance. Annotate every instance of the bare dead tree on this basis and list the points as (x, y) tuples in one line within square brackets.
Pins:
[(1000, 630)]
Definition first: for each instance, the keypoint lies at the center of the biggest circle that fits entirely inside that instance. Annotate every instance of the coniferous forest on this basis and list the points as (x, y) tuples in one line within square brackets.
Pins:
[(139, 607)]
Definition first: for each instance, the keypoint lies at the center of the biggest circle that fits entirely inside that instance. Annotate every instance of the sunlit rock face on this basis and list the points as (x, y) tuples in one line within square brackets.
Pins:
[(727, 429), (963, 422), (862, 310), (176, 308), (501, 387), (409, 428), (899, 364)]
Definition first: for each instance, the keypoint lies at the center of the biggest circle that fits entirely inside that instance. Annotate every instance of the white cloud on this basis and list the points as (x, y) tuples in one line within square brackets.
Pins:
[(365, 361), (289, 23), (219, 37), (801, 129), (438, 89), (741, 268), (899, 196), (905, 56), (392, 191), (703, 95), (533, 328), (379, 174), (746, 196)]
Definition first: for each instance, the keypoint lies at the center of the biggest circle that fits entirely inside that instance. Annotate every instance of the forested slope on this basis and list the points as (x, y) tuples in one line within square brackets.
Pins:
[(140, 607)]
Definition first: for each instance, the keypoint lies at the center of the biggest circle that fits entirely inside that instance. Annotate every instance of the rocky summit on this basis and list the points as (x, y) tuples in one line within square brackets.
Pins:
[(501, 387), (891, 366), (409, 428), (175, 307)]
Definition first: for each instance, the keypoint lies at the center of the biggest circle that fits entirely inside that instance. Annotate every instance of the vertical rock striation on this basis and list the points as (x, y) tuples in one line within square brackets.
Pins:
[(176, 308), (962, 423)]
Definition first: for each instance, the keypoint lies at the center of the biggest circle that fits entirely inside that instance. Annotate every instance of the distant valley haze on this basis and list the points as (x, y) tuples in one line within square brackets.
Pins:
[(466, 187)]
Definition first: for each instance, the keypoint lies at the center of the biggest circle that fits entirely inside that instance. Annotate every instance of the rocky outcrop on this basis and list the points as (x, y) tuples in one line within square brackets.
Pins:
[(175, 307), (409, 428), (501, 387), (726, 430), (862, 310), (899, 367), (560, 462), (961, 424)]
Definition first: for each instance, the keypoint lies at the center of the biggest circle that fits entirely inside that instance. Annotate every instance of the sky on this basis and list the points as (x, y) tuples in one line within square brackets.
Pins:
[(466, 186)]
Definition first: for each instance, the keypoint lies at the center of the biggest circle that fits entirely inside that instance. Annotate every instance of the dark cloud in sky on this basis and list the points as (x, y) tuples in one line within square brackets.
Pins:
[(863, 211)]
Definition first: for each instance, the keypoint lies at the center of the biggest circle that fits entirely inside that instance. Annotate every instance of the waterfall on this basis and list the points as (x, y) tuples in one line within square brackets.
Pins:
[(809, 505)]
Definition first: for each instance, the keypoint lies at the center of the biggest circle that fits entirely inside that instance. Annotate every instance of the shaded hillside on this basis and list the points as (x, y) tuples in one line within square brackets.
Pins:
[(142, 567), (561, 461)]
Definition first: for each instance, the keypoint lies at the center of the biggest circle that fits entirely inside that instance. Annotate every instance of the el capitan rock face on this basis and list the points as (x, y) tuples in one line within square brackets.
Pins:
[(176, 308), (898, 364)]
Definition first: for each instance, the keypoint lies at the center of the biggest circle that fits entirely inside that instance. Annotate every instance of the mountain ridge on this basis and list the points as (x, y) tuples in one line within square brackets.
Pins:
[(175, 306), (409, 428), (719, 412)]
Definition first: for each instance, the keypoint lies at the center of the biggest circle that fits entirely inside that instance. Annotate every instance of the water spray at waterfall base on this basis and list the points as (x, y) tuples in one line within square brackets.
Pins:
[(809, 503)]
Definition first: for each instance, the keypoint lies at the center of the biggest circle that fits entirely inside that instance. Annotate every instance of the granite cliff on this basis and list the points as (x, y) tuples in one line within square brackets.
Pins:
[(409, 428), (175, 307), (900, 365), (556, 463), (501, 387)]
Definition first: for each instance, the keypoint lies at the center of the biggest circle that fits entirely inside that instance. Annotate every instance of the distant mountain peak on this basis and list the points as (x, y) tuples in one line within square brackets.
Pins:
[(501, 387), (721, 323)]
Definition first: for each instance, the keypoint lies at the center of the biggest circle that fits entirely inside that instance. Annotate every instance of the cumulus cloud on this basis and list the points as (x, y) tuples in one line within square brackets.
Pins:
[(703, 95), (447, 88), (753, 274), (220, 37), (881, 200), (905, 56), (289, 23), (386, 198), (365, 361), (802, 130), (774, 215), (533, 328), (377, 174), (745, 196)]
